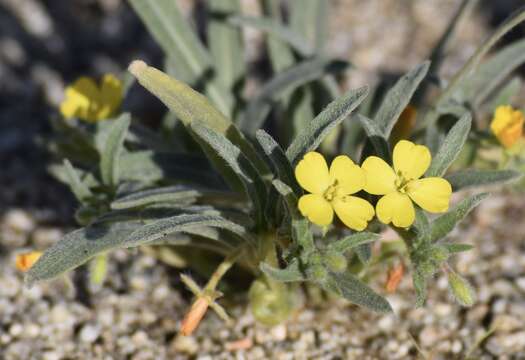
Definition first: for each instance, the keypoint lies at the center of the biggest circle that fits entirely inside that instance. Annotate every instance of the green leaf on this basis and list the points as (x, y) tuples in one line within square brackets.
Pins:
[(420, 286), (445, 223), (291, 273), (457, 248), (225, 43), (505, 95), (109, 159), (451, 147), (398, 97), (464, 179), (421, 227), (81, 191), (312, 135), (148, 167), (76, 248), (189, 105), (166, 23), (281, 84), (349, 287), (469, 68), (279, 160), (376, 137), (461, 289), (164, 227), (289, 197), (165, 194), (281, 55), (353, 241), (309, 17), (476, 88), (364, 253), (245, 171), (276, 29)]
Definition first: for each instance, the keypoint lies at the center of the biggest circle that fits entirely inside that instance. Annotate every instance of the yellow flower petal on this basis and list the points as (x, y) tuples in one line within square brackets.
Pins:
[(316, 209), (79, 98), (350, 177), (396, 208), (312, 173), (431, 194), (380, 177), (411, 160), (507, 125), (111, 96), (354, 212)]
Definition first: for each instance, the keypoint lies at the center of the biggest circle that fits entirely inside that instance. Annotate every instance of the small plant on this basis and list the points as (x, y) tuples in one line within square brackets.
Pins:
[(267, 207)]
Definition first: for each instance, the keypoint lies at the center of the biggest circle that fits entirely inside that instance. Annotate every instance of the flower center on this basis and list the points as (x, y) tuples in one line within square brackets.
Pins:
[(401, 183), (330, 193)]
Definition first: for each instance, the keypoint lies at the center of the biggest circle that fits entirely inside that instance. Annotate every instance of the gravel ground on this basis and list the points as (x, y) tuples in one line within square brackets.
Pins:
[(136, 315)]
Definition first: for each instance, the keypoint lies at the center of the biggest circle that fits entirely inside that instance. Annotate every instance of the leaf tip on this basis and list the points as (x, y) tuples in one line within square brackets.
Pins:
[(136, 67)]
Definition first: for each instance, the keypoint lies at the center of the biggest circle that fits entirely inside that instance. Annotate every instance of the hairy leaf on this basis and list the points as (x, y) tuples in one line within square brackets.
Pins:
[(471, 178), (398, 97), (375, 135), (282, 83), (81, 191), (109, 159), (352, 241), (349, 287), (337, 111), (445, 223), (451, 147)]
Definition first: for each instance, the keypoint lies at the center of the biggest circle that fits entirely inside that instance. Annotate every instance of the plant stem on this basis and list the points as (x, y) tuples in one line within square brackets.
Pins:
[(223, 268)]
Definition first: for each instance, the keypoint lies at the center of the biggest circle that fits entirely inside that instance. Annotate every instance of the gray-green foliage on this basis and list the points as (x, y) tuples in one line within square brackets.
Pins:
[(234, 187)]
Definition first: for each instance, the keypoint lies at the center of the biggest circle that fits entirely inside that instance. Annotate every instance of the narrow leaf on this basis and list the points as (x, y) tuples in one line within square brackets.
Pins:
[(289, 197), (244, 170), (277, 29), (81, 191), (337, 111), (279, 160), (398, 97), (349, 287), (376, 137), (353, 241), (156, 195), (166, 23), (464, 179), (457, 248), (189, 105), (451, 147), (281, 84), (445, 223), (109, 159)]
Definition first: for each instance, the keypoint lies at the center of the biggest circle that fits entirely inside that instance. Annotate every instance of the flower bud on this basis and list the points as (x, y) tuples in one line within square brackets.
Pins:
[(336, 262), (461, 289), (194, 316)]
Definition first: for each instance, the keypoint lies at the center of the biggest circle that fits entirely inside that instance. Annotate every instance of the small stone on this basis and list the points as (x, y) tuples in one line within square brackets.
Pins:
[(279, 333), (16, 330), (45, 237), (140, 339), (185, 344), (457, 346), (386, 323), (520, 282), (442, 310), (160, 293), (89, 333), (19, 221), (51, 355), (32, 330), (499, 306)]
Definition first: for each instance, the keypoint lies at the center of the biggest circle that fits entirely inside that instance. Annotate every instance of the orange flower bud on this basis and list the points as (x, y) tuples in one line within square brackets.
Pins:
[(394, 278), (404, 125), (23, 262), (194, 316), (507, 125)]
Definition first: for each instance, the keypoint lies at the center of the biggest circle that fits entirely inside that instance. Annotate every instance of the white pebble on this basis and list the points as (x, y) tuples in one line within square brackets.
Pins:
[(89, 333)]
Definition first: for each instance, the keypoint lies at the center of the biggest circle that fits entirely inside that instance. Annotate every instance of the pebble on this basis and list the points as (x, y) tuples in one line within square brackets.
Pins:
[(19, 221), (89, 333), (45, 237), (185, 344), (278, 332)]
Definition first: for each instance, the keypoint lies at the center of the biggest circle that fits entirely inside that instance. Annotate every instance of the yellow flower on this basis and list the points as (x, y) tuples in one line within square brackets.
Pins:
[(507, 125), (331, 189), (23, 262), (401, 185), (86, 100)]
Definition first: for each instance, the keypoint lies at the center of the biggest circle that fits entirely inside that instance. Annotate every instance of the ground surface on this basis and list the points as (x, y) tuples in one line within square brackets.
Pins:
[(136, 315)]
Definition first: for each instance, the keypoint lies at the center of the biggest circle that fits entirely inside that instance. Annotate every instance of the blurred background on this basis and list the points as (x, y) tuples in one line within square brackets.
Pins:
[(45, 45)]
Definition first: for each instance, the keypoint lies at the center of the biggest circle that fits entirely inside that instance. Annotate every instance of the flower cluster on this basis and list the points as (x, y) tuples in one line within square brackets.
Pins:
[(331, 189), (88, 101), (507, 125)]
